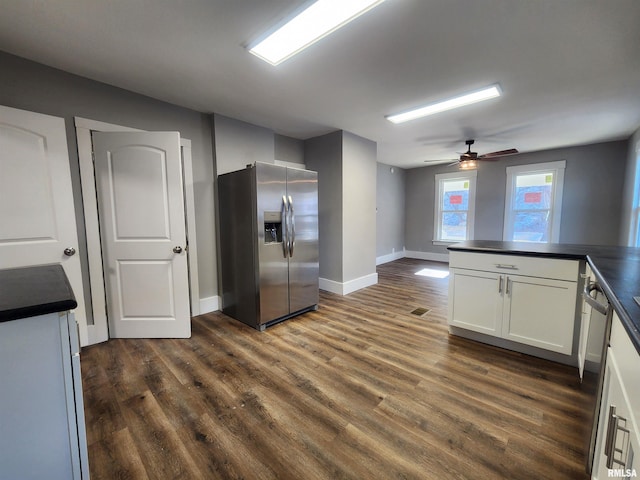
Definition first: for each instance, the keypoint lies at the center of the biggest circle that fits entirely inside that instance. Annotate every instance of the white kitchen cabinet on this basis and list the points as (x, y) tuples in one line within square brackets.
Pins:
[(539, 312), (527, 300), (474, 301), (41, 409), (618, 440)]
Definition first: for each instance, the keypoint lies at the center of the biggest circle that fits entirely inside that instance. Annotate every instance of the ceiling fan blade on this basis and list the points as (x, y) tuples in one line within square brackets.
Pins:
[(443, 161), (453, 163), (498, 154)]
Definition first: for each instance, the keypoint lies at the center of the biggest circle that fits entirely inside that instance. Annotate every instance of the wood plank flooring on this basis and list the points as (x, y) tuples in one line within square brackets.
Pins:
[(360, 389)]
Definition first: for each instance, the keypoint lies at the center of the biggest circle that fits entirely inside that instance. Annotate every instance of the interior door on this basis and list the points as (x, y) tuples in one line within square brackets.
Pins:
[(140, 204), (37, 215)]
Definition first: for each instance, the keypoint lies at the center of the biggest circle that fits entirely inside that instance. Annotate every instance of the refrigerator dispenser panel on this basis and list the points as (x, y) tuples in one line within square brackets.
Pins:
[(272, 227)]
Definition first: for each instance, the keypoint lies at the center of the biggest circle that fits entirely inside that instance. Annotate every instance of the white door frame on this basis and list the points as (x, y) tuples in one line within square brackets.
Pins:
[(99, 331)]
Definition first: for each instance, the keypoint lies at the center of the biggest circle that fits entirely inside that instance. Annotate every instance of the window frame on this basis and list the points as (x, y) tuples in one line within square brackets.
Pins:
[(440, 178), (634, 222), (557, 169)]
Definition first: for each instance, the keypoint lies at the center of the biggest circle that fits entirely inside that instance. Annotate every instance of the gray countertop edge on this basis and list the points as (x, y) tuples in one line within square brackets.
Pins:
[(31, 291), (627, 321)]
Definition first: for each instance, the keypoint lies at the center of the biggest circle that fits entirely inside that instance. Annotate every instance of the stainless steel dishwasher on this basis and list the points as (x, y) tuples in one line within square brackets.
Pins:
[(594, 340)]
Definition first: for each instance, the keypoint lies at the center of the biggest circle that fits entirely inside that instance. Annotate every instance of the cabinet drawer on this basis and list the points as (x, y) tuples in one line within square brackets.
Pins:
[(555, 268)]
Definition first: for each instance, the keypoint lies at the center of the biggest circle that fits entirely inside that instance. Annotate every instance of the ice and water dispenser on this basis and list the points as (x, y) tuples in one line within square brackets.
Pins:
[(272, 227)]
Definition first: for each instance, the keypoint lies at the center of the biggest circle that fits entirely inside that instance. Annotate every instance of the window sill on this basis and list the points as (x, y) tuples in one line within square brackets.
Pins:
[(444, 243)]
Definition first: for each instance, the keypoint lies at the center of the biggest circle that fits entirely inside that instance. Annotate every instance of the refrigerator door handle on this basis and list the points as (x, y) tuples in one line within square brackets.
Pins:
[(285, 227), (292, 226)]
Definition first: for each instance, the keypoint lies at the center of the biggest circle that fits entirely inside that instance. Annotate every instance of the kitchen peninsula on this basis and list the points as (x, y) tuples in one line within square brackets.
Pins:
[(520, 296), (617, 270), (41, 406)]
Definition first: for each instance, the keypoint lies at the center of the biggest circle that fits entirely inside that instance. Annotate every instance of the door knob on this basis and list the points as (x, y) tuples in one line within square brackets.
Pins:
[(69, 252), (177, 249)]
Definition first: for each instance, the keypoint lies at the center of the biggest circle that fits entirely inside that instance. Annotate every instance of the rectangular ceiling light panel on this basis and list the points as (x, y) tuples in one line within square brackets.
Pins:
[(466, 99), (317, 21)]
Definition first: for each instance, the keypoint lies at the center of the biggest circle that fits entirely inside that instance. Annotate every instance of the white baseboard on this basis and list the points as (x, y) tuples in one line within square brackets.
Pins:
[(435, 257), (350, 286), (209, 304), (390, 257), (330, 286)]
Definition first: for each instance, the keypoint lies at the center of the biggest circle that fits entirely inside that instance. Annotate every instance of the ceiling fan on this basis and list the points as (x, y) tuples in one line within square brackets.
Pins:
[(468, 160)]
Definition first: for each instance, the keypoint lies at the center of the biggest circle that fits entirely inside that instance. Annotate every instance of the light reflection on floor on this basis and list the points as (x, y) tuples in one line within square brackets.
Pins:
[(430, 272)]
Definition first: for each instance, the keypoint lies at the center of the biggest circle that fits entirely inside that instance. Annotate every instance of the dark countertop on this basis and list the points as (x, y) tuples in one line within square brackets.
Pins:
[(617, 269), (30, 291)]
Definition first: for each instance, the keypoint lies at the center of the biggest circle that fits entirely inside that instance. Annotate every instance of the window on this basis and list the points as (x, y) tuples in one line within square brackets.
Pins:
[(634, 233), (455, 206), (533, 203)]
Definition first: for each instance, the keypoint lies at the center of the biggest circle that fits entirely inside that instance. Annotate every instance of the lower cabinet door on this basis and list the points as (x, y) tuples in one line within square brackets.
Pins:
[(475, 301), (36, 441), (539, 312), (617, 440)]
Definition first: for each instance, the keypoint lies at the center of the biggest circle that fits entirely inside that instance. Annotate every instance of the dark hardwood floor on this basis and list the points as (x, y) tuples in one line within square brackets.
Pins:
[(360, 389)]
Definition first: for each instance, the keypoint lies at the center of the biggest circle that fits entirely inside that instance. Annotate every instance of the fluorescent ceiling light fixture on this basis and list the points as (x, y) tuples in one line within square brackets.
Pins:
[(466, 99), (314, 23)]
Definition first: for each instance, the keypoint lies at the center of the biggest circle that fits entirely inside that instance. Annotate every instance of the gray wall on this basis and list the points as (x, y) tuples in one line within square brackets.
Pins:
[(593, 183), (419, 203), (31, 86), (630, 185), (289, 149), (390, 220), (238, 144), (359, 171), (346, 166), (324, 155)]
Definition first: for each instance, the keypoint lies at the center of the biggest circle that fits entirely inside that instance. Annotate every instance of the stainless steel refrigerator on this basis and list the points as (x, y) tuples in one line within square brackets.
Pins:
[(268, 243)]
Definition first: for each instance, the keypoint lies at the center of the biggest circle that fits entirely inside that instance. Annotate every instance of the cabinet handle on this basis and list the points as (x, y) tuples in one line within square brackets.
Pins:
[(610, 438), (506, 266), (500, 284), (506, 289)]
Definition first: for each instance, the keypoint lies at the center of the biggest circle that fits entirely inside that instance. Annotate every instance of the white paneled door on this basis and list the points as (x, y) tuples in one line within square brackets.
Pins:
[(142, 221), (37, 216)]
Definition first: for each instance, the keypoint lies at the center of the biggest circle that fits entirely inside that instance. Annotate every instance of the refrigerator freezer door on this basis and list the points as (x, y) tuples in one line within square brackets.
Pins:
[(238, 246), (302, 189), (271, 187)]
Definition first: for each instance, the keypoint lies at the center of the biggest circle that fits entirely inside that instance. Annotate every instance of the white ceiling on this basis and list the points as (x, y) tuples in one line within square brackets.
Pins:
[(569, 69)]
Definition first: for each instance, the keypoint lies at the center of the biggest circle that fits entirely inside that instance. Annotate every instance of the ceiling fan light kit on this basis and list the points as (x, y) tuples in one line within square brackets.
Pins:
[(487, 93), (468, 165)]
